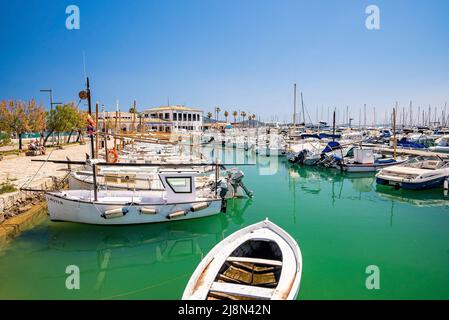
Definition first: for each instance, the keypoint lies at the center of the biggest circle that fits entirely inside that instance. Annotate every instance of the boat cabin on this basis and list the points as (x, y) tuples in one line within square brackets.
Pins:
[(179, 185)]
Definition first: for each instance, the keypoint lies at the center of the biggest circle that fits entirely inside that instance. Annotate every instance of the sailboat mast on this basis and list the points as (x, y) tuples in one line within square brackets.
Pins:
[(94, 168), (333, 128), (394, 130), (303, 113), (364, 116), (294, 106), (89, 104), (105, 130)]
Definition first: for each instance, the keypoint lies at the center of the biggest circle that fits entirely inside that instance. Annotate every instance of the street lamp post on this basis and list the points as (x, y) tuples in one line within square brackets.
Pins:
[(50, 91)]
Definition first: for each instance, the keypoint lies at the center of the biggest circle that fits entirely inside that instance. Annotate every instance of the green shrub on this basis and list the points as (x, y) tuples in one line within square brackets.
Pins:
[(5, 139), (6, 187)]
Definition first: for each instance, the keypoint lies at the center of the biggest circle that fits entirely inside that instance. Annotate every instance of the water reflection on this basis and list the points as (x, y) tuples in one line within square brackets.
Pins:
[(421, 198), (314, 180), (310, 179)]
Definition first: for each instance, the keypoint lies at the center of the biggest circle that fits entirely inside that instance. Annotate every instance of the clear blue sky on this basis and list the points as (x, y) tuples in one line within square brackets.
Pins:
[(243, 54)]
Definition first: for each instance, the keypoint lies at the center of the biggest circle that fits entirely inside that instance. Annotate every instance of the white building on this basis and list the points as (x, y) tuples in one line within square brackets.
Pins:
[(174, 118)]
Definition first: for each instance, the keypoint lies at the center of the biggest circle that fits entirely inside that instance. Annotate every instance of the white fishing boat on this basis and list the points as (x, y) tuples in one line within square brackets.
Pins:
[(366, 160), (179, 200), (147, 178), (442, 145), (423, 172), (261, 261)]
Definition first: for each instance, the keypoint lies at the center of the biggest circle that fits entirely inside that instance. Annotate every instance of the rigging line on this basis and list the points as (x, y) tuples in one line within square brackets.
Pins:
[(32, 177), (146, 288)]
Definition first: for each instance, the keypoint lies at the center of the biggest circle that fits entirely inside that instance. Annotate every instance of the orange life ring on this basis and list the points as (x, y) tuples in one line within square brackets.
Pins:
[(114, 155)]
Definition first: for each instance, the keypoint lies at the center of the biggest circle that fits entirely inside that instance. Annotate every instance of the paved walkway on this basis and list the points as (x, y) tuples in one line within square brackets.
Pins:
[(19, 170)]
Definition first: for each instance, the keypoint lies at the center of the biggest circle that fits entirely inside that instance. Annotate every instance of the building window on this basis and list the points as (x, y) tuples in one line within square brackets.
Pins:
[(193, 117), (190, 117), (160, 115), (167, 116), (175, 117), (184, 117)]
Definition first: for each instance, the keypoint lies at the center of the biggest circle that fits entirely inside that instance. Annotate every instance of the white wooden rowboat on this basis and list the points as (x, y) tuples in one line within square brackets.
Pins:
[(260, 261)]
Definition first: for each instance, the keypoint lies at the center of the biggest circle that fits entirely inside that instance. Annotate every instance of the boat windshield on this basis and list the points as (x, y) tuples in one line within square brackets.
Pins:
[(427, 162)]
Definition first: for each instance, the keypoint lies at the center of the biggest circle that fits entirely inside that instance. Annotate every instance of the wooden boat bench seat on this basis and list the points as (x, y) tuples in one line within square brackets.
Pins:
[(242, 290), (276, 263)]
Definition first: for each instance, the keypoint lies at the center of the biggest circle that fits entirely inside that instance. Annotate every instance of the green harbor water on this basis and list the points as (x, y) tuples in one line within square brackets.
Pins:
[(343, 223)]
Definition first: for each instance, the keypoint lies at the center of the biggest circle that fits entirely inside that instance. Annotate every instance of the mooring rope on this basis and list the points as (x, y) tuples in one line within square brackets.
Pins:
[(32, 177)]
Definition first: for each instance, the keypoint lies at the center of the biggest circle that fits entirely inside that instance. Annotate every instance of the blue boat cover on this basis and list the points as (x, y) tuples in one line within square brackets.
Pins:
[(307, 135), (332, 145), (329, 136), (408, 144), (381, 161)]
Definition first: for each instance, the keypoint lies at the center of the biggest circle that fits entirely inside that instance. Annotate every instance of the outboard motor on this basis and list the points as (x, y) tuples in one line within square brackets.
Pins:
[(223, 187), (235, 177), (302, 156), (292, 157)]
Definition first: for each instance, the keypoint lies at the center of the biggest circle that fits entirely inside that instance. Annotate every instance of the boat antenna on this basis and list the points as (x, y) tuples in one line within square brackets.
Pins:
[(84, 64)]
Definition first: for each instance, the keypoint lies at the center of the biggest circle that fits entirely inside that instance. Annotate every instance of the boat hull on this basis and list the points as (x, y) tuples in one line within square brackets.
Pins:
[(367, 167), (63, 209), (421, 185), (203, 278)]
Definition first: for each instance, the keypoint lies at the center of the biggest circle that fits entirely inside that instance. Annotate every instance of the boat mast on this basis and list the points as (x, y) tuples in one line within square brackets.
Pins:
[(96, 133), (105, 129), (333, 127), (294, 106), (394, 130), (94, 167), (303, 114), (89, 104), (364, 116)]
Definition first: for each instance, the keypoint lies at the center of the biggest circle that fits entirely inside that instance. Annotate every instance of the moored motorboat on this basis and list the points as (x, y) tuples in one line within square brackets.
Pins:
[(365, 160), (442, 145), (423, 172), (261, 261)]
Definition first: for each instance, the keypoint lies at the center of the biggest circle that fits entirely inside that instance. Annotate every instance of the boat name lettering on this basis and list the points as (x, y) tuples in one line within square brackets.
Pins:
[(55, 201)]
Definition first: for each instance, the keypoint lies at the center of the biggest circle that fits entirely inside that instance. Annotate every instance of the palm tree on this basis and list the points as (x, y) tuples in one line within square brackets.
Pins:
[(217, 111), (243, 114), (253, 117), (235, 114), (209, 115), (226, 114)]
